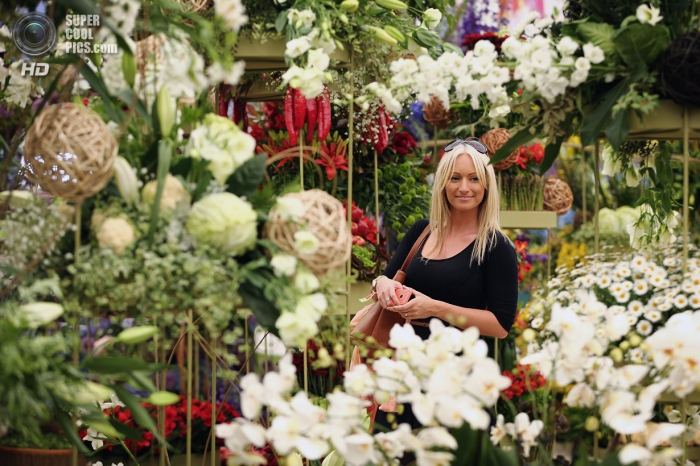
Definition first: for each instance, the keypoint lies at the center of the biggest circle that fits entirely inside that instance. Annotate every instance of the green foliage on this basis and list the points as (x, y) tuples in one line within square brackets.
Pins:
[(50, 441), (365, 255)]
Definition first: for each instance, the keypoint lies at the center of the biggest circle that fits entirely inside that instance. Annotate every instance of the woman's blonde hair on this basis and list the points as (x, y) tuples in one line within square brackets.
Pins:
[(489, 224)]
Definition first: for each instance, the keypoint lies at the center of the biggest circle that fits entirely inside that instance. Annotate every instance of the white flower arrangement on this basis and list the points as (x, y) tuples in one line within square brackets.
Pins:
[(448, 379)]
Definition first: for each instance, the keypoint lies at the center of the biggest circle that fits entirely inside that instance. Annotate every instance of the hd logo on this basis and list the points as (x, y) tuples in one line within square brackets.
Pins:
[(34, 69)]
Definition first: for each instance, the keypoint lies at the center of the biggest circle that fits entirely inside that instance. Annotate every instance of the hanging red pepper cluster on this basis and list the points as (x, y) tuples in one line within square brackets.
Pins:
[(377, 132), (240, 111), (299, 110), (363, 228)]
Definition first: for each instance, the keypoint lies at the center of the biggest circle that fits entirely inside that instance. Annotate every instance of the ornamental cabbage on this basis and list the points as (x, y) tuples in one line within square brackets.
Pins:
[(115, 234), (224, 221), (174, 193), (220, 142)]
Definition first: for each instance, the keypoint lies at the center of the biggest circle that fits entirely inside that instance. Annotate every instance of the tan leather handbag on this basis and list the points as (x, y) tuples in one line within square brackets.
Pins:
[(375, 321)]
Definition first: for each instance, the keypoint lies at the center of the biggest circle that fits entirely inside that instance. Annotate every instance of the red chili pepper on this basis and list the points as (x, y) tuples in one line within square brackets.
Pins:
[(222, 101), (240, 113), (323, 103), (289, 117), (299, 109), (311, 112), (383, 142)]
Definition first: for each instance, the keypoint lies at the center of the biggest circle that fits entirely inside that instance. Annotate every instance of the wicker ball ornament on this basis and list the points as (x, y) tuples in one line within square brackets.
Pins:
[(148, 52), (324, 216), (495, 139), (557, 196), (680, 69), (436, 114), (71, 151)]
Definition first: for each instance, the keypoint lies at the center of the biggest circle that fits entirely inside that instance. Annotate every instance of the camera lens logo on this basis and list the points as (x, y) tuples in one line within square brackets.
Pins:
[(34, 34)]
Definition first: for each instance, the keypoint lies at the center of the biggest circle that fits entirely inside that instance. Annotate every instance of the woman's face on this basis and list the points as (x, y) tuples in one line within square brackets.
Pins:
[(464, 190)]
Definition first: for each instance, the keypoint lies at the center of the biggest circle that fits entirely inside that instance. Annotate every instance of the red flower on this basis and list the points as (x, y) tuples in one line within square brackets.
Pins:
[(86, 101), (257, 132), (333, 157), (403, 143)]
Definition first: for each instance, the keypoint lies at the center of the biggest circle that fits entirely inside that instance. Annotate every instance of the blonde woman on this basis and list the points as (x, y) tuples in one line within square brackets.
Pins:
[(466, 272)]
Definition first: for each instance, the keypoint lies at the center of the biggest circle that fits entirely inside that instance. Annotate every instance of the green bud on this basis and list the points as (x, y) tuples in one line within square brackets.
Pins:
[(616, 355), (343, 18), (129, 68), (350, 6), (625, 345), (392, 4), (382, 35), (166, 116), (163, 398), (635, 340), (106, 428), (417, 210), (592, 424), (396, 225), (136, 335), (400, 236)]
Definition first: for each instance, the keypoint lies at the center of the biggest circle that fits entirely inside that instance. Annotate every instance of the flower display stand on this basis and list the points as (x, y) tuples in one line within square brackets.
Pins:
[(37, 457), (666, 122), (528, 219), (269, 55), (358, 291)]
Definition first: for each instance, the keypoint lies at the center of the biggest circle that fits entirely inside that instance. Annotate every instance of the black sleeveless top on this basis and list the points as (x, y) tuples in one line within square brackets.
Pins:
[(492, 286)]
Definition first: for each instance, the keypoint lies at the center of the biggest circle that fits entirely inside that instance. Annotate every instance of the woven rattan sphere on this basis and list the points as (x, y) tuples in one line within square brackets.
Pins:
[(71, 151), (436, 114), (324, 216), (557, 196), (195, 5), (495, 139)]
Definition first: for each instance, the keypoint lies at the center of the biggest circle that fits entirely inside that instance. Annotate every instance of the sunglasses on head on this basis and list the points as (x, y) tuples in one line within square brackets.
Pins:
[(472, 142)]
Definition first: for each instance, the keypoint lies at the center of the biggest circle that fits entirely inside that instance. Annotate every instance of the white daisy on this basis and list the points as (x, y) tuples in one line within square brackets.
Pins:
[(601, 334), (604, 281), (656, 280), (564, 295), (588, 281), (694, 300), (680, 301), (695, 279), (636, 307), (638, 263), (671, 262), (616, 288), (554, 282), (622, 297), (667, 305), (652, 315), (617, 309), (537, 322), (644, 327), (688, 286), (641, 287), (636, 355), (627, 285)]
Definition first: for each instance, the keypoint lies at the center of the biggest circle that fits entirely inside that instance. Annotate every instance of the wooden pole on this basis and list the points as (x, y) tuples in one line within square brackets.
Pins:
[(686, 189), (351, 146), (596, 204)]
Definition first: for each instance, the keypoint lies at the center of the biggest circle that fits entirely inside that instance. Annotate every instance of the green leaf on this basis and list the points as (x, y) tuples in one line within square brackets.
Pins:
[(97, 84), (125, 430), (429, 38), (375, 11), (641, 43), (467, 445), (265, 311), (450, 47), (246, 179), (618, 128), (550, 154), (595, 121), (69, 430), (142, 381), (165, 153), (202, 184), (582, 459), (281, 21), (138, 412), (516, 140), (599, 34), (115, 365), (611, 460), (127, 96)]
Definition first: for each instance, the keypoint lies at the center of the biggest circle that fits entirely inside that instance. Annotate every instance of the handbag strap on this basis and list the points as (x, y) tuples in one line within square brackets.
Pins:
[(401, 273)]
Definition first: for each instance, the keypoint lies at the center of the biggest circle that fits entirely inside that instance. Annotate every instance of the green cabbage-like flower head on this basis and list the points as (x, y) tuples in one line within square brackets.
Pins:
[(224, 221), (219, 141)]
